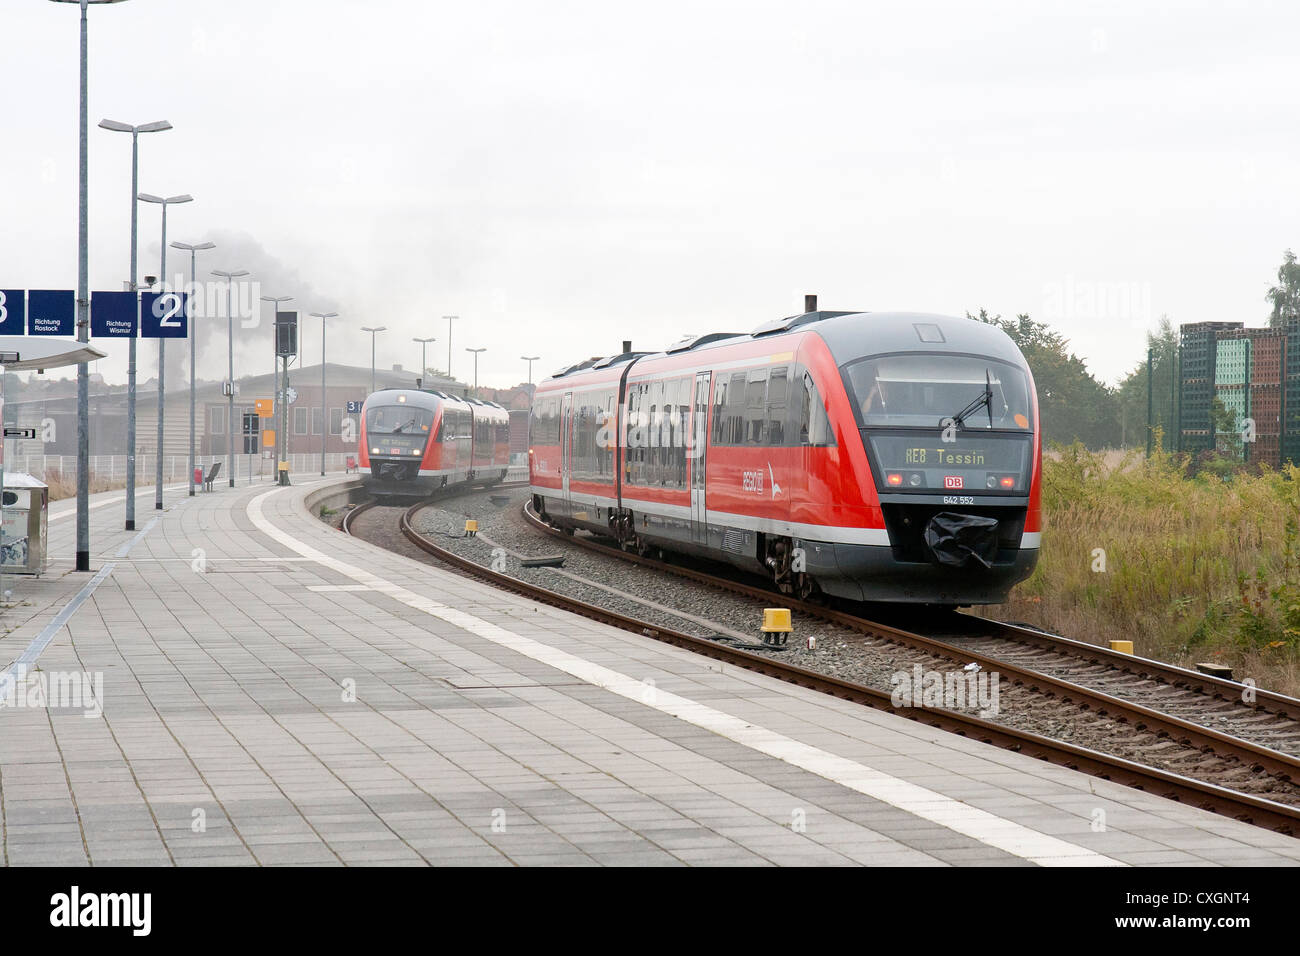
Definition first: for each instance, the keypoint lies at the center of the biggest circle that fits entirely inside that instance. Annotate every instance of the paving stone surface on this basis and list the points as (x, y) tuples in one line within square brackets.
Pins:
[(242, 716)]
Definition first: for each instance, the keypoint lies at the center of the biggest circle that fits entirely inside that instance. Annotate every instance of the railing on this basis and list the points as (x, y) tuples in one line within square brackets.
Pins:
[(112, 468)]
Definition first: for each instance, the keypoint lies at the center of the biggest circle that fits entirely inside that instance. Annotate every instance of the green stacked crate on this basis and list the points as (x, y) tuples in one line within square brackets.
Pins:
[(1291, 395), (1197, 354), (1231, 377)]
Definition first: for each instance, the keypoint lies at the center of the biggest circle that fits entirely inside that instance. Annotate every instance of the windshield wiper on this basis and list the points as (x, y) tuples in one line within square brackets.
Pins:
[(985, 399), (412, 422)]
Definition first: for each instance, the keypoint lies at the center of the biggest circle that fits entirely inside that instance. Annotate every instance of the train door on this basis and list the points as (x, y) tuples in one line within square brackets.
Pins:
[(698, 457), (566, 451)]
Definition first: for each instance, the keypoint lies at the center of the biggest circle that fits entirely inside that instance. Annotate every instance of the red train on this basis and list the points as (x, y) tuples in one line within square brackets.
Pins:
[(871, 456), (414, 441)]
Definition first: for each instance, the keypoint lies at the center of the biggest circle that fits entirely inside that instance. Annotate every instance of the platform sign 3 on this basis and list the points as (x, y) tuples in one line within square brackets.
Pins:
[(51, 312), (113, 315), (164, 315), (13, 311), (354, 407)]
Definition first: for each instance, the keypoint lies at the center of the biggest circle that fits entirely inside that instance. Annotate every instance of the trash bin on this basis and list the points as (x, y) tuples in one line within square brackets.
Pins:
[(24, 517), (198, 477)]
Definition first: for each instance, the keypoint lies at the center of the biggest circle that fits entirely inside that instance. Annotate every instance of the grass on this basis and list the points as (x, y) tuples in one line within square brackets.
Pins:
[(1191, 562), (66, 486)]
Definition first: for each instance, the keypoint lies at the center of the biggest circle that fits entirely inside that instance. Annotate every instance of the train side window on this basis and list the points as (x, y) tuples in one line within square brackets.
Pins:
[(778, 388), (608, 423), (680, 426), (814, 425), (664, 434), (719, 415), (755, 389), (734, 433)]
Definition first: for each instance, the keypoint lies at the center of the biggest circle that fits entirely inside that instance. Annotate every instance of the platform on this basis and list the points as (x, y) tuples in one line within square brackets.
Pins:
[(274, 692)]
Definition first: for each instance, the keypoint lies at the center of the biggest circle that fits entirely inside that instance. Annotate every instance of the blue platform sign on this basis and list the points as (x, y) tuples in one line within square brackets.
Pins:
[(51, 312), (164, 315), (354, 407), (13, 311), (113, 315)]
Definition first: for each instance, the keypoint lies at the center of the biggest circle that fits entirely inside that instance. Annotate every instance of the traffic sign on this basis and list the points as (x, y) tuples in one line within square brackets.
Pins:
[(11, 432), (164, 315), (113, 314), (291, 395), (13, 311), (268, 438), (51, 312), (264, 408), (354, 408)]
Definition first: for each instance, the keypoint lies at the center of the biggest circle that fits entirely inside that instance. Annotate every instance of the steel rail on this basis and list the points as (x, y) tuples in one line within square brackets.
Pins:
[(1208, 796)]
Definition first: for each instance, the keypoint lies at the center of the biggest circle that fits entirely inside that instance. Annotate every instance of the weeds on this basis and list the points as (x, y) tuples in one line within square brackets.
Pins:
[(1199, 560)]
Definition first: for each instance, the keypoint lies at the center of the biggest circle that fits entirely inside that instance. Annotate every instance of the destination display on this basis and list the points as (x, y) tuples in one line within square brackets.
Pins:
[(986, 464)]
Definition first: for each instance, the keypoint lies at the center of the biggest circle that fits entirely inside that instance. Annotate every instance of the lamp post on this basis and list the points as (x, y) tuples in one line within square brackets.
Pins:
[(372, 331), (162, 343), (135, 132), (324, 406), (424, 358), (450, 319), (83, 306), (193, 251), (530, 359), (282, 403), (476, 351), (230, 278)]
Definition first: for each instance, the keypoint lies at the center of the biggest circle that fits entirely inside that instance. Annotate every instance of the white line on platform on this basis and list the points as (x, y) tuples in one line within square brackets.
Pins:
[(1006, 835)]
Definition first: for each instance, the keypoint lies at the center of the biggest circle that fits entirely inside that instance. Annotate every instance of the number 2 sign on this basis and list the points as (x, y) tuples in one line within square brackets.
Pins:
[(164, 315)]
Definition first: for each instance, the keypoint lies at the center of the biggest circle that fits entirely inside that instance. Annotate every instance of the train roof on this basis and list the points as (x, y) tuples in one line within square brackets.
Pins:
[(435, 393), (848, 335)]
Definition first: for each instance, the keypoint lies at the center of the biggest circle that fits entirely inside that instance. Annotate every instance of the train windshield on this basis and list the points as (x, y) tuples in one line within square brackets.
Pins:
[(920, 390), (398, 420)]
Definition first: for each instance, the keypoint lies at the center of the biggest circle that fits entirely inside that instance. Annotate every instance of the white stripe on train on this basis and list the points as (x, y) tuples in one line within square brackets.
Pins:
[(876, 537)]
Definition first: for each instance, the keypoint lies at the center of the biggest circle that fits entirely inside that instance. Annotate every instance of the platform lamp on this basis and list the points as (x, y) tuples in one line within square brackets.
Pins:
[(373, 331), (193, 250), (324, 406), (476, 352), (424, 356), (135, 131), (230, 278)]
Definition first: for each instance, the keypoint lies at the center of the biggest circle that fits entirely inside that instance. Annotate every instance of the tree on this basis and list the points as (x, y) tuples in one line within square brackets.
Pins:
[(1285, 296), (1131, 395), (1071, 403)]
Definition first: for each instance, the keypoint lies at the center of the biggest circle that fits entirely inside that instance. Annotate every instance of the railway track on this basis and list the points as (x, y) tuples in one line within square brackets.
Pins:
[(1176, 701), (1167, 728)]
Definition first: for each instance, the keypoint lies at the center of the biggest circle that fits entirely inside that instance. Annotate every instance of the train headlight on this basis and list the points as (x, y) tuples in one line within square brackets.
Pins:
[(915, 479), (992, 481), (415, 451), (894, 478), (374, 451), (1007, 481)]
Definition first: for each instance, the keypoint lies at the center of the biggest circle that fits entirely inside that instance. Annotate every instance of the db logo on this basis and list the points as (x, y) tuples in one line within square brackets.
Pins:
[(952, 481)]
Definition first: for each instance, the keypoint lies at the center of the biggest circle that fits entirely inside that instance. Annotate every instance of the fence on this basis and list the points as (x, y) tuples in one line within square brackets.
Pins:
[(112, 468)]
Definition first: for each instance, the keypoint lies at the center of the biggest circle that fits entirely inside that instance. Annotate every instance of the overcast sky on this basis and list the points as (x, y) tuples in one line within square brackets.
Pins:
[(567, 175)]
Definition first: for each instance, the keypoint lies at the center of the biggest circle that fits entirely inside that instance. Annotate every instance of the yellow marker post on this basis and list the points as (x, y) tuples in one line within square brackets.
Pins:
[(1124, 647), (776, 626), (471, 527)]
